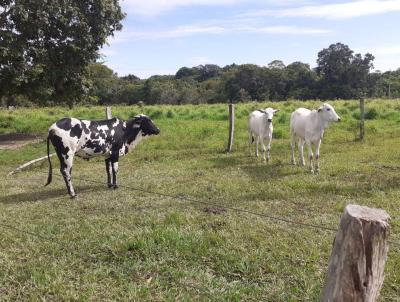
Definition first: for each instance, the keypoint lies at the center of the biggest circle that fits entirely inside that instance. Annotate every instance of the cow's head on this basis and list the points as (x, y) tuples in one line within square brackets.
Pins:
[(146, 125), (328, 113), (269, 112)]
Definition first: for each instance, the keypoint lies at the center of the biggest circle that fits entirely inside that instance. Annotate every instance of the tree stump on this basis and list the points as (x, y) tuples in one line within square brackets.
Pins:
[(356, 266)]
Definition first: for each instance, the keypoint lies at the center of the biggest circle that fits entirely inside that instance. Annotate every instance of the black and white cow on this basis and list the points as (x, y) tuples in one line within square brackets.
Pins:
[(110, 138)]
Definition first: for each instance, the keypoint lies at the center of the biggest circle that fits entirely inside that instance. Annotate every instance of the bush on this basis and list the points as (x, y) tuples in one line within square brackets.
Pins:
[(371, 114), (279, 133), (170, 114)]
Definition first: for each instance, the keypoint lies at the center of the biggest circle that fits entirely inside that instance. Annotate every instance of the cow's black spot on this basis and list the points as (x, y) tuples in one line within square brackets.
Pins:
[(94, 135), (64, 124), (95, 146), (76, 131), (59, 146), (102, 134), (85, 129)]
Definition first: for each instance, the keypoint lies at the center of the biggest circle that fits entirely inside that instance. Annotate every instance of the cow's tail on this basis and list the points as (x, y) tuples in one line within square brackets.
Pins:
[(50, 176)]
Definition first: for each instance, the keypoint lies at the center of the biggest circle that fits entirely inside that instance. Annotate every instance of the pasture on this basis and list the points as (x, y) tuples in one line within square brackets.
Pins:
[(131, 244)]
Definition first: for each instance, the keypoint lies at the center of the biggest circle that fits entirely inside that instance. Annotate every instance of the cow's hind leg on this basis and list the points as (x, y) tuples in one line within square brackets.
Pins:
[(301, 154), (109, 172), (66, 161), (257, 141)]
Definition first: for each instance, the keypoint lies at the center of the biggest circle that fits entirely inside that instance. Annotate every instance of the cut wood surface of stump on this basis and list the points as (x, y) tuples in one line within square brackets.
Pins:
[(356, 266)]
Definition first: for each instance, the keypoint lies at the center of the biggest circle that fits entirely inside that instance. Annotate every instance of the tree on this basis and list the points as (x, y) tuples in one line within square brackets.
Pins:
[(342, 74), (247, 78), (47, 45), (103, 82), (276, 64), (301, 81)]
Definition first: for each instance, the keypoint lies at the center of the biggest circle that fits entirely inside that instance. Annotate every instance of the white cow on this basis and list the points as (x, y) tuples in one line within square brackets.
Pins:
[(309, 126), (260, 127)]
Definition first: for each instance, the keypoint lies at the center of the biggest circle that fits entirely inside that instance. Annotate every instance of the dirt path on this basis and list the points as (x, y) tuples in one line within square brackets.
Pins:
[(12, 141)]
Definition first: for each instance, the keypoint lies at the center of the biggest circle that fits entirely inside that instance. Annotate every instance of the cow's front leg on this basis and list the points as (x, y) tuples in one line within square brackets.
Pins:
[(109, 172), (292, 147), (250, 141), (114, 165), (269, 148), (66, 161), (317, 155), (263, 150), (310, 156)]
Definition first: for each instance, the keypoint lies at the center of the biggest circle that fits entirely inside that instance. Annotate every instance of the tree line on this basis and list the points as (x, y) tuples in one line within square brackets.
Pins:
[(49, 55), (340, 74)]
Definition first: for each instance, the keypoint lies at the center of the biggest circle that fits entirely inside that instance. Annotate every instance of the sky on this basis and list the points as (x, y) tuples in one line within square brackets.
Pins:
[(161, 36)]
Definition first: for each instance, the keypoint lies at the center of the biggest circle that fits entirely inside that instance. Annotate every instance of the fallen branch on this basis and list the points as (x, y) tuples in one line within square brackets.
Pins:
[(28, 164)]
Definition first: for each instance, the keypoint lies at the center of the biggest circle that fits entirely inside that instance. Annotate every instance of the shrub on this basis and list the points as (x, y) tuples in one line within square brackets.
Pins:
[(170, 114), (371, 114)]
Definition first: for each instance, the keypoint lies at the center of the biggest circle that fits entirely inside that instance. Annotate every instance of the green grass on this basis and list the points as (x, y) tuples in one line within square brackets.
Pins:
[(133, 246)]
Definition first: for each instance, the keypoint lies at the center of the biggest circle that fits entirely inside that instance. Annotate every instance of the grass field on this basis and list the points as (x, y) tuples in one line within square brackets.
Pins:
[(130, 245)]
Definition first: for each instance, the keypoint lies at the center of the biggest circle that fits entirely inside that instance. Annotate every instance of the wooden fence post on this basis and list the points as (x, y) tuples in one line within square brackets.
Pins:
[(231, 126), (356, 266), (362, 118), (108, 113)]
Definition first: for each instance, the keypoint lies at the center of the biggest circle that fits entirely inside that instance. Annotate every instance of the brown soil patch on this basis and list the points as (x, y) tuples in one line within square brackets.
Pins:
[(11, 141)]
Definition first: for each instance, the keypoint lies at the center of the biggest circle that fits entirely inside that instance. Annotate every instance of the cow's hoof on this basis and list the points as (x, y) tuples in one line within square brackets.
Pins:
[(73, 196), (110, 186), (115, 187)]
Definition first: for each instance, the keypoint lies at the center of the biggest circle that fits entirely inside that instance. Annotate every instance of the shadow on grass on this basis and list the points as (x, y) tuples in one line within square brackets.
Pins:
[(277, 170), (47, 194)]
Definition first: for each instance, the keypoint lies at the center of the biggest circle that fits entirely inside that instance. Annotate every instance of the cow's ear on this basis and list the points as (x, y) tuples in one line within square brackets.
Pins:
[(276, 110), (320, 109)]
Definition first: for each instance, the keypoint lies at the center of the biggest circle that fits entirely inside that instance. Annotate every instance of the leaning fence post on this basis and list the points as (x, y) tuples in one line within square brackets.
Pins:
[(108, 113), (362, 118), (231, 126), (356, 266)]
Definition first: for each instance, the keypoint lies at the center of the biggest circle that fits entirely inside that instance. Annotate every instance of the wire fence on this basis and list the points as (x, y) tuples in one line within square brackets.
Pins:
[(169, 279), (222, 207)]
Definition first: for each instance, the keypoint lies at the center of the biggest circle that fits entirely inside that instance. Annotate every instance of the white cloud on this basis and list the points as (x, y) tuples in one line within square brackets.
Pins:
[(290, 30), (335, 11), (176, 32), (389, 50), (157, 7), (153, 8), (212, 29)]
